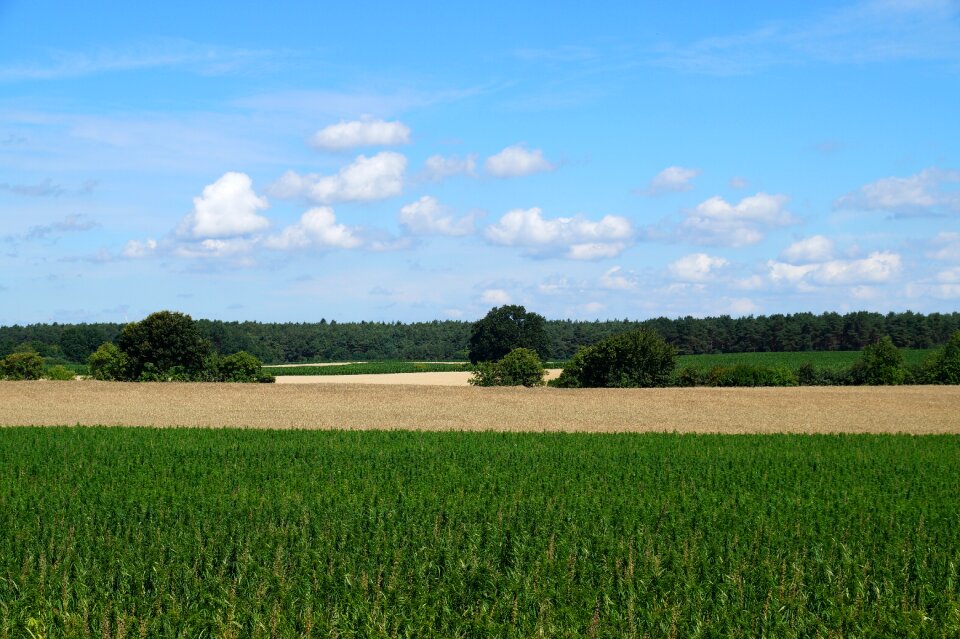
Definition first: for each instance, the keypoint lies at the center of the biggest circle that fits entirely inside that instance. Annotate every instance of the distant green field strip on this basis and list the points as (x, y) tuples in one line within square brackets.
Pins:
[(216, 533), (820, 359), (367, 368)]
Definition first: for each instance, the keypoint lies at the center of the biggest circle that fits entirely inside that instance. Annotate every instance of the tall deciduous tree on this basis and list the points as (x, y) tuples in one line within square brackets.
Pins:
[(505, 328), (163, 342)]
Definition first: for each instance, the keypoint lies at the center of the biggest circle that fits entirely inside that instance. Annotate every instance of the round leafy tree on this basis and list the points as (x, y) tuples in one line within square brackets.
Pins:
[(631, 359), (21, 366), (880, 364), (163, 343), (505, 328)]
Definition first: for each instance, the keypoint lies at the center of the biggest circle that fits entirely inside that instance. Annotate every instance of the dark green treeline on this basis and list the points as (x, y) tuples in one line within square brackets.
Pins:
[(447, 340)]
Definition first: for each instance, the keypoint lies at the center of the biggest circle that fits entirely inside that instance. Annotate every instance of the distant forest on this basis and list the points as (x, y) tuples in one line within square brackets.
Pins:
[(447, 340)]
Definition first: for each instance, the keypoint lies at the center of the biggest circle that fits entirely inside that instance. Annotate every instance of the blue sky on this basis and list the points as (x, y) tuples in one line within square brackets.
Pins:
[(419, 161)]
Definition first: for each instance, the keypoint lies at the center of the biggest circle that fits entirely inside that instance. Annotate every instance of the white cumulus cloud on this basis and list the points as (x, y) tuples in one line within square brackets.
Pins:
[(317, 228), (135, 249), (923, 193), (438, 167), (817, 248), (672, 179), (716, 222), (227, 208), (616, 279), (495, 296), (359, 133), (427, 216), (516, 161), (877, 268), (946, 246), (696, 267), (216, 248), (574, 237), (366, 179)]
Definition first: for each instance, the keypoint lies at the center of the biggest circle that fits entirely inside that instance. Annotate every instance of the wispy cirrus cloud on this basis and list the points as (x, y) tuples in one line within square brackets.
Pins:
[(864, 32), (47, 188), (149, 54), (74, 223)]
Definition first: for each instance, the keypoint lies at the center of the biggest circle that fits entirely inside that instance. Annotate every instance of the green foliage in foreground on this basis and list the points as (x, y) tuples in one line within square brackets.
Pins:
[(225, 533), (369, 368)]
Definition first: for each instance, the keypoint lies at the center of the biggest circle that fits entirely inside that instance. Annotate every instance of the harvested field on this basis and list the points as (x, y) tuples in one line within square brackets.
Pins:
[(910, 409)]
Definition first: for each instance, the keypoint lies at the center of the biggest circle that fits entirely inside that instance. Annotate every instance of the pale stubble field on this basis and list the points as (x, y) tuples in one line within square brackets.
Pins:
[(908, 409)]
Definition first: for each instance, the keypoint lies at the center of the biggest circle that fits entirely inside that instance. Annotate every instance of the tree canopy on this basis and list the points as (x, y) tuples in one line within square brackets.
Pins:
[(505, 328), (162, 343), (631, 359)]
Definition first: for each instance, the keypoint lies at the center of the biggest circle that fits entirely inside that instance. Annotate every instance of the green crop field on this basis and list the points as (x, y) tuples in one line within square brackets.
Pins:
[(367, 368), (820, 359), (232, 533)]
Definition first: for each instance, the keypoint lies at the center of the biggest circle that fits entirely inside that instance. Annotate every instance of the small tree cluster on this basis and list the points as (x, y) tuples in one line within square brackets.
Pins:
[(519, 367), (167, 346), (626, 360)]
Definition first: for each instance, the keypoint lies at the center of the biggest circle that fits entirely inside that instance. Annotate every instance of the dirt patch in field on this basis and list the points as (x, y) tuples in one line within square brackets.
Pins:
[(449, 378), (912, 409)]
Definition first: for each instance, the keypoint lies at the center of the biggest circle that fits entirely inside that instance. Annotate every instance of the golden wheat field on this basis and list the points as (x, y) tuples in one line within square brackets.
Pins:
[(911, 409)]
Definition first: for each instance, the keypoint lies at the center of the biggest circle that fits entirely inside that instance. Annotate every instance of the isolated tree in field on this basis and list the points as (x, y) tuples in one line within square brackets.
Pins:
[(944, 367), (519, 367), (163, 343), (631, 359), (505, 328), (21, 366), (880, 364)]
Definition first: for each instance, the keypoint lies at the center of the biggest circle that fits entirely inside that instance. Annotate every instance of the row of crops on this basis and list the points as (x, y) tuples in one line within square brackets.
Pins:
[(190, 533)]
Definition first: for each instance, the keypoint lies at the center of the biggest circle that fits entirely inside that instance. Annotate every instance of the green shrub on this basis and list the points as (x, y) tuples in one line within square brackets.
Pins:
[(944, 365), (108, 363), (690, 376), (626, 360), (745, 375), (22, 366), (880, 364), (59, 373), (519, 367), (239, 367)]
